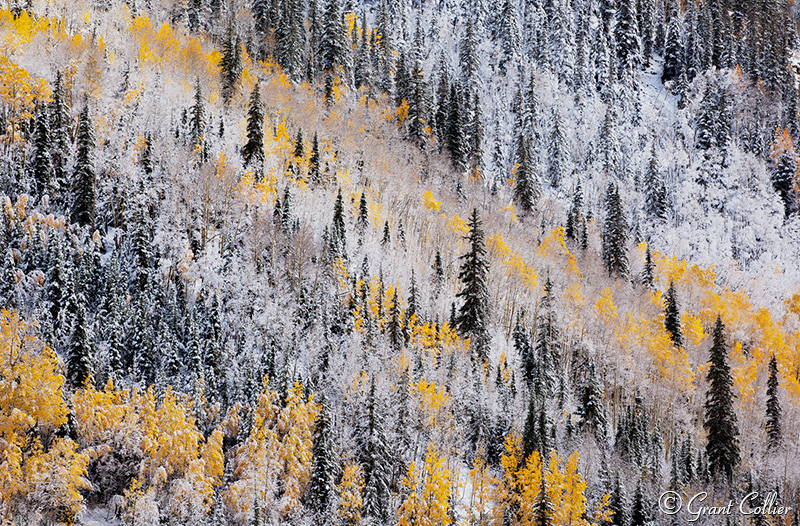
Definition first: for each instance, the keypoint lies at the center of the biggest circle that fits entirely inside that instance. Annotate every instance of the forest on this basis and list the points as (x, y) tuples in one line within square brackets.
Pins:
[(399, 262)]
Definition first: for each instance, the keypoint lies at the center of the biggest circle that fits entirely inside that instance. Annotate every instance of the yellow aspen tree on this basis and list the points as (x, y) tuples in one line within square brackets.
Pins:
[(349, 491), (483, 489)]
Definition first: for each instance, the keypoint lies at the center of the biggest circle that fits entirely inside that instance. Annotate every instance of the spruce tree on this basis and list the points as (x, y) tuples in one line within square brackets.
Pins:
[(230, 64), (615, 234), (783, 180), (473, 316), (80, 355), (619, 504), (338, 232), (773, 426), (333, 46), (639, 515), (298, 143), (647, 277), (655, 190), (557, 151), (543, 510), (455, 137), (547, 348), (672, 316), (59, 132), (253, 151), (321, 484), (626, 36), (314, 162), (673, 52), (41, 164), (526, 188), (722, 447), (592, 410), (468, 51), (84, 194), (198, 122), (372, 451)]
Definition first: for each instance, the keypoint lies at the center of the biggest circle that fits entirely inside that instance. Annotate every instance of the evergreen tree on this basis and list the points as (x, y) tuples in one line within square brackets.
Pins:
[(543, 510), (473, 316), (314, 161), (333, 46), (509, 34), (41, 164), (83, 187), (230, 64), (673, 52), (468, 51), (198, 122), (253, 150), (774, 435), (417, 106), (639, 515), (146, 159), (59, 132), (321, 485), (363, 214), (672, 316), (722, 448), (290, 38), (592, 409), (647, 277), (438, 272), (80, 357), (557, 151), (615, 234), (655, 190), (338, 232), (526, 188), (547, 349), (372, 450), (783, 180), (387, 234), (626, 36), (455, 138), (298, 143), (619, 504), (522, 344)]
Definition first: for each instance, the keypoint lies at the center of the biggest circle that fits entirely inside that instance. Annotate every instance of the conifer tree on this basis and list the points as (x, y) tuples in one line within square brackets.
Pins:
[(615, 234), (722, 447), (557, 151), (547, 349), (59, 133), (83, 187), (333, 46), (468, 51), (198, 122), (338, 232), (626, 36), (80, 356), (522, 344), (321, 487), (619, 504), (648, 278), (373, 453), (592, 410), (473, 316), (773, 426), (639, 515), (387, 234), (253, 151), (655, 190), (314, 161), (672, 316), (230, 64), (543, 510), (783, 175), (438, 271), (509, 34), (673, 52), (526, 188), (455, 137), (290, 38)]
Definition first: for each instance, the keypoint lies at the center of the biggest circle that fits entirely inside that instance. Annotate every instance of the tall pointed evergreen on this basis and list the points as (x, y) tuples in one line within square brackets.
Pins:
[(230, 64), (84, 193), (773, 426), (526, 188), (321, 485), (333, 46), (79, 358), (372, 450), (615, 234), (59, 132), (473, 316), (253, 151), (41, 163), (672, 316), (547, 348), (720, 422)]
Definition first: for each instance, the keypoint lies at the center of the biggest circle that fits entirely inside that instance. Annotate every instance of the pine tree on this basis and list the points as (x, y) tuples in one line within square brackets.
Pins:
[(615, 234), (290, 38), (672, 316), (230, 64), (592, 409), (468, 51), (83, 188), (626, 36), (639, 515), (387, 234), (522, 345), (547, 349), (314, 162), (509, 34), (557, 151), (373, 454), (619, 504), (333, 46), (473, 316), (198, 122), (783, 180), (146, 159), (655, 190), (648, 278), (526, 188), (80, 356), (455, 137), (673, 52), (321, 487), (41, 164), (417, 106), (438, 272), (59, 132), (338, 232), (773, 426), (543, 510), (253, 150), (722, 448)]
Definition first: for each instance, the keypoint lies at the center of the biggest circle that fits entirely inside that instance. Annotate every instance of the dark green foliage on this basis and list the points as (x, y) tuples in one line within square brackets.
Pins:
[(720, 422), (41, 164), (592, 410), (387, 234), (626, 36), (615, 234), (84, 194), (321, 487), (526, 188), (783, 175), (59, 133), (673, 52), (473, 316), (80, 355), (253, 151), (455, 136), (654, 189), (333, 46), (547, 349), (363, 213), (372, 450), (672, 316), (314, 161), (619, 504), (230, 64), (338, 232), (647, 277), (556, 151), (197, 122), (298, 143), (543, 509), (639, 514), (773, 426)]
